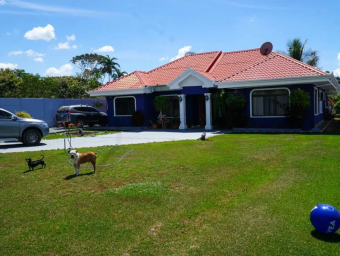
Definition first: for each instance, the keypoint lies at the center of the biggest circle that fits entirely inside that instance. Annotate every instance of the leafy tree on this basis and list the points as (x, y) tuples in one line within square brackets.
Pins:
[(296, 49), (88, 63), (9, 83), (109, 66)]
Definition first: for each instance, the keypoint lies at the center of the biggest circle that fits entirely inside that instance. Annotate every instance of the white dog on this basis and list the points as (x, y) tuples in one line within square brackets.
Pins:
[(80, 158)]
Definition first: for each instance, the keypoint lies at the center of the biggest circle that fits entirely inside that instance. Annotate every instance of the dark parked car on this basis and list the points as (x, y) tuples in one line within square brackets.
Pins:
[(80, 115), (26, 130)]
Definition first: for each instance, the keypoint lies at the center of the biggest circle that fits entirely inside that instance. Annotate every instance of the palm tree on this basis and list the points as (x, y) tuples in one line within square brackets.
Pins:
[(119, 73), (296, 50), (109, 66)]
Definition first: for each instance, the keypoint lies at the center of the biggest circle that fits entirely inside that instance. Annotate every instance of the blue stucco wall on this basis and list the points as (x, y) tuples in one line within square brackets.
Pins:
[(44, 109), (282, 122), (142, 104), (194, 90)]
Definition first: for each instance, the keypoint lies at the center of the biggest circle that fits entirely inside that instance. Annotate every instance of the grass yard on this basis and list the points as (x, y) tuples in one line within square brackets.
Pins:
[(74, 134), (234, 195)]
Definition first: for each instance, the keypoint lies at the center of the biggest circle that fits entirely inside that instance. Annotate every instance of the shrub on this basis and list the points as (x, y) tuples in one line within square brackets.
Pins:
[(161, 103), (299, 102), (22, 114), (137, 118), (97, 104)]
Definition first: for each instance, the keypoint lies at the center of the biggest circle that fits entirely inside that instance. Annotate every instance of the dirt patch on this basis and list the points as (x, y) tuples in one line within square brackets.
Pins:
[(155, 229)]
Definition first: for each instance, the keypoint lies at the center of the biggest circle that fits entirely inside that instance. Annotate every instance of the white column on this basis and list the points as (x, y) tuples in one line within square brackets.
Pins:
[(208, 117), (182, 112)]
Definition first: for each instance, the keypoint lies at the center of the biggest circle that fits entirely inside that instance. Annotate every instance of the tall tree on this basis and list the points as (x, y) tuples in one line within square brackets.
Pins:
[(109, 66), (119, 74), (88, 63), (296, 49)]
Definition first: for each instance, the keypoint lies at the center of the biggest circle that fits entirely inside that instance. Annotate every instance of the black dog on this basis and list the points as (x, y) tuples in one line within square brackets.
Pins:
[(203, 137), (32, 164)]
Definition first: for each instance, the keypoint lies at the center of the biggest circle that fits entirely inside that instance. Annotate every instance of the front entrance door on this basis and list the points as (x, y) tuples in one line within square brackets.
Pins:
[(195, 111)]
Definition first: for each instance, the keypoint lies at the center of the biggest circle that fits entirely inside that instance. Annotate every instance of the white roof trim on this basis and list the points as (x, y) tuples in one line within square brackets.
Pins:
[(330, 79), (174, 84), (120, 92)]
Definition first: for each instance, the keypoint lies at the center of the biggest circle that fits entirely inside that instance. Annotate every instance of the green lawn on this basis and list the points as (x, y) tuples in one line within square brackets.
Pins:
[(234, 195), (74, 134)]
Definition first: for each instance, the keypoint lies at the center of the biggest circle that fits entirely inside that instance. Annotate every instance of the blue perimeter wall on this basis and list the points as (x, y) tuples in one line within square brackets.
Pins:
[(45, 109)]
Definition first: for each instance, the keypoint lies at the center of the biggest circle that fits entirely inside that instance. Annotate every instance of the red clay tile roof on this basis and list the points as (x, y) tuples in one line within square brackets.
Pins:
[(218, 66), (277, 66)]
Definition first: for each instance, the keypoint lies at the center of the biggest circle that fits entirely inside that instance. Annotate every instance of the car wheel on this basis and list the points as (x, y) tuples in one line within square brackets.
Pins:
[(31, 137), (80, 123)]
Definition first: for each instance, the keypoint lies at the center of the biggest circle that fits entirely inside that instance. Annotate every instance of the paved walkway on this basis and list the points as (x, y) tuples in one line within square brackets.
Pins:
[(334, 127), (122, 138)]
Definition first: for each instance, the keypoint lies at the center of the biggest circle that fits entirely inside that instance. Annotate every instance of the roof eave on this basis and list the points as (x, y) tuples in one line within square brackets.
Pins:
[(278, 82), (120, 92)]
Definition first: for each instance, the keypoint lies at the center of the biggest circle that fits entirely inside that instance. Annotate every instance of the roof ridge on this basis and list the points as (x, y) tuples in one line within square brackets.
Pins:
[(251, 66), (255, 49), (140, 77), (214, 62), (300, 63), (171, 62)]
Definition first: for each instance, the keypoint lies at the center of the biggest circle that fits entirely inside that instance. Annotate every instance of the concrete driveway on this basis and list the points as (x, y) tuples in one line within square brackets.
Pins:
[(122, 138)]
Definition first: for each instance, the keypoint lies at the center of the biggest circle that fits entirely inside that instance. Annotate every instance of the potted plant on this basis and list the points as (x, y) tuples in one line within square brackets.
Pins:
[(162, 120), (153, 124), (161, 103), (175, 123)]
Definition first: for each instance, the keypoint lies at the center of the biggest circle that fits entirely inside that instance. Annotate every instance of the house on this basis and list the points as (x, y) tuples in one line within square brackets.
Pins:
[(264, 79)]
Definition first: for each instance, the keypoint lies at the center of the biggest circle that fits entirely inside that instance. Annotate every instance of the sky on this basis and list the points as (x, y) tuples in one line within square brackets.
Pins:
[(41, 37)]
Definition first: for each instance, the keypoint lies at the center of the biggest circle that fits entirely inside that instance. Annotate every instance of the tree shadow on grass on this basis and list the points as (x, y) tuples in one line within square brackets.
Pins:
[(74, 176), (329, 238)]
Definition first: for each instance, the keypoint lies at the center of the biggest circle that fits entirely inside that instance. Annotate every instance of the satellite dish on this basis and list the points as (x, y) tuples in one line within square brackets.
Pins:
[(266, 48)]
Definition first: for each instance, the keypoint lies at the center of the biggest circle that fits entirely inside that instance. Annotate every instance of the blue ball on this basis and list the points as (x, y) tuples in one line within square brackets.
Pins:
[(325, 218)]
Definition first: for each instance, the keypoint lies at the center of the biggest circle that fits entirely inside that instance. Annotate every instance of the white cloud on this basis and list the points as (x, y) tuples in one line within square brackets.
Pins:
[(71, 37), (107, 48), (41, 33), (74, 46), (62, 46), (182, 52), (252, 19), (337, 72), (8, 33), (64, 70), (164, 58), (31, 53), (2, 2), (15, 53), (8, 65), (39, 59), (339, 58)]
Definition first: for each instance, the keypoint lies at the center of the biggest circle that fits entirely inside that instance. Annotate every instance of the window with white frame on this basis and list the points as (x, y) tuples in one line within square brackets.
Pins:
[(173, 110), (269, 102), (124, 106), (316, 101)]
